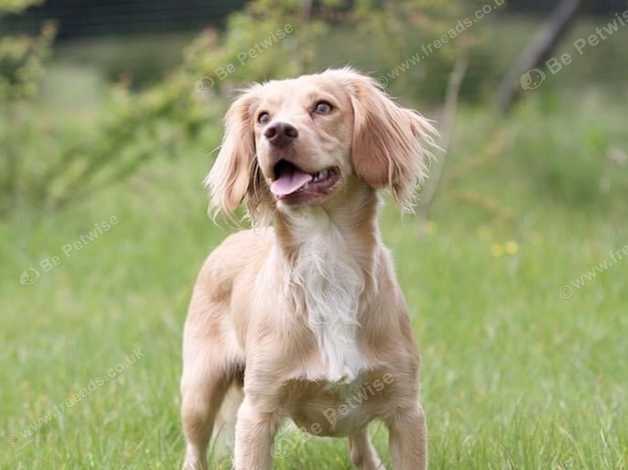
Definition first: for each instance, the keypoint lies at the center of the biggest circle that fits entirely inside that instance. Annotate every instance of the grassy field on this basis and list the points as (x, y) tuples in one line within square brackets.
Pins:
[(517, 291)]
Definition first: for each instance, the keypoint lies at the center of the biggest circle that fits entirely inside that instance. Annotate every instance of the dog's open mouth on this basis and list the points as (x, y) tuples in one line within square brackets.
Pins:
[(291, 181)]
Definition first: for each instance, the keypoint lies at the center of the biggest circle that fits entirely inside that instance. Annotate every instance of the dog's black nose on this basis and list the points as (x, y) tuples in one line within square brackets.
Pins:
[(281, 134)]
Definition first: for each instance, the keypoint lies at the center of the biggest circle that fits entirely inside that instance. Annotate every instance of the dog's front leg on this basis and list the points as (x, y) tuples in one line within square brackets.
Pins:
[(363, 454), (408, 439), (255, 430)]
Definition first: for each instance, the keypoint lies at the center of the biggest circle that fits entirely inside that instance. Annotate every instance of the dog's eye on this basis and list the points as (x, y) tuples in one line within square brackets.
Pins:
[(263, 117), (323, 107)]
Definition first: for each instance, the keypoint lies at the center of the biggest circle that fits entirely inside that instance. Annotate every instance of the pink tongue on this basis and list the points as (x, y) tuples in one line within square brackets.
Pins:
[(289, 182)]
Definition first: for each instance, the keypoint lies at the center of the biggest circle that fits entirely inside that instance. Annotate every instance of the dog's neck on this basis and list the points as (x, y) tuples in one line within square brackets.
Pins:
[(329, 256), (351, 221)]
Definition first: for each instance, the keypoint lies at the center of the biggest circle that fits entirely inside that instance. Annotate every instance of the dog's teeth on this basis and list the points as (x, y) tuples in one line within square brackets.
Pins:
[(320, 176)]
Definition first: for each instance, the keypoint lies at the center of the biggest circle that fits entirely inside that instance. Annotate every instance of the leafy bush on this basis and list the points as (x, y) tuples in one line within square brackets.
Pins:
[(67, 162), (49, 162), (21, 69)]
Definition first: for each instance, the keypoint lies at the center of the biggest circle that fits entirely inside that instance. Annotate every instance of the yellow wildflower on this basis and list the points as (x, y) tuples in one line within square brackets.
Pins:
[(497, 249), (512, 248)]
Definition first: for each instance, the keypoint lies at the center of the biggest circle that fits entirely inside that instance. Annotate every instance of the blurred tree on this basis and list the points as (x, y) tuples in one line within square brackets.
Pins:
[(538, 51), (21, 68), (16, 6), (21, 57), (48, 165)]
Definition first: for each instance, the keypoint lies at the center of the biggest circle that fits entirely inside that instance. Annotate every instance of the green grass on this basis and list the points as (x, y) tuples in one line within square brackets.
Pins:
[(514, 376)]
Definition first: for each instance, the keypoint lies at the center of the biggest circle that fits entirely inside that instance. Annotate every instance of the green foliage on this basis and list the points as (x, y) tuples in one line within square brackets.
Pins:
[(21, 69), (267, 40), (16, 6), (48, 163), (130, 130), (21, 57), (21, 64)]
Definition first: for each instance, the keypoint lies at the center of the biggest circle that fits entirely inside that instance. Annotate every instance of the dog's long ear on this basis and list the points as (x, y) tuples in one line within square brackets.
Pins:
[(391, 144), (232, 174)]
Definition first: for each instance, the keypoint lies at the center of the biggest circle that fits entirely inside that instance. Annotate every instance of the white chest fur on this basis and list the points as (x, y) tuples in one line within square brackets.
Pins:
[(332, 283)]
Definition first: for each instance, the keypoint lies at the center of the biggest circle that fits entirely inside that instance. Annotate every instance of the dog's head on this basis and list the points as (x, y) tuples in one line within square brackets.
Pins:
[(296, 143)]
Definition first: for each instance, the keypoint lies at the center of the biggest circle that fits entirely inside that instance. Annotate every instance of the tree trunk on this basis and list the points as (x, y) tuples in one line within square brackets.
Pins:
[(538, 51), (450, 112)]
